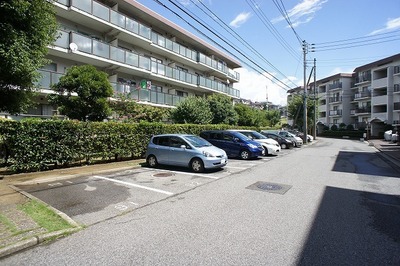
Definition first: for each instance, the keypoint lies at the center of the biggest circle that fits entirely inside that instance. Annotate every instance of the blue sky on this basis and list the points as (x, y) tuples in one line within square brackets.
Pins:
[(345, 33)]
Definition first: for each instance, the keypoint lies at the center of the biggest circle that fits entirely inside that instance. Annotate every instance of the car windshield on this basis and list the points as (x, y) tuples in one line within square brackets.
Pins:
[(257, 135), (197, 141)]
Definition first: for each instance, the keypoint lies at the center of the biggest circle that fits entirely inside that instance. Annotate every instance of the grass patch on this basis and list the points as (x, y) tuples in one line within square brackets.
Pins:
[(8, 224), (44, 216)]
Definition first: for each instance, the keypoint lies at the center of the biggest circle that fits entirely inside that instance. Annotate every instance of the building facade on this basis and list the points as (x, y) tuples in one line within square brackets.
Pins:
[(146, 56), (368, 98)]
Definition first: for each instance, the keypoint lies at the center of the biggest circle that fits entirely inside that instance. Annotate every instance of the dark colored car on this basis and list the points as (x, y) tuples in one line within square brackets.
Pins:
[(234, 143), (285, 143)]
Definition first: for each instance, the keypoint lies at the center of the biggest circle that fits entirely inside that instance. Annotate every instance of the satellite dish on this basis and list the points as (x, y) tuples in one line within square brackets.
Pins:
[(73, 47)]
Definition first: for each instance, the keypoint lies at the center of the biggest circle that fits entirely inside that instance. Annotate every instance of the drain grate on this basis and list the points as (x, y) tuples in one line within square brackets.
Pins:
[(270, 187), (163, 175)]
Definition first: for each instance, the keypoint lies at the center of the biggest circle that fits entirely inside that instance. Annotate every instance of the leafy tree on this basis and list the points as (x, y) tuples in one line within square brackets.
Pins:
[(128, 110), (249, 116), (82, 94), (192, 110), (273, 117), (27, 27), (222, 108), (296, 111)]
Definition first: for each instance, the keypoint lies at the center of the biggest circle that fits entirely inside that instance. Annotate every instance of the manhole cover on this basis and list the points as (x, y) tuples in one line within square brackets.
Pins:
[(270, 187), (163, 174)]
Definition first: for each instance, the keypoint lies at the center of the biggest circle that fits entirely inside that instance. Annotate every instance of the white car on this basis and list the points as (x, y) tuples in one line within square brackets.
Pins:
[(270, 146)]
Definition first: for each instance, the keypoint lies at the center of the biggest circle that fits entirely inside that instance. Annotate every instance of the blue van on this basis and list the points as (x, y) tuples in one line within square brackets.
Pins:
[(234, 143)]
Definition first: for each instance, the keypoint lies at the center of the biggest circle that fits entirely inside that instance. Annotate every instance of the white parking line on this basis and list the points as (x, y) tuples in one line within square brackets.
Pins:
[(134, 185), (234, 167), (184, 173)]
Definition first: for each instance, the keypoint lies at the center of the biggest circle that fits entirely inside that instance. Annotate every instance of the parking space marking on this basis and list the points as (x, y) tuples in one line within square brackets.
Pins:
[(235, 167), (134, 185), (184, 173)]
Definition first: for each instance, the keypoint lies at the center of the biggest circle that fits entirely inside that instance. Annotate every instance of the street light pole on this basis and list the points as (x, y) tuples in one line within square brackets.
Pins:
[(315, 99)]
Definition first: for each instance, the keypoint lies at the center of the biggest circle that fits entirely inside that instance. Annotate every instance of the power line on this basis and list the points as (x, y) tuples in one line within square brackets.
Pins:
[(358, 38), (206, 36)]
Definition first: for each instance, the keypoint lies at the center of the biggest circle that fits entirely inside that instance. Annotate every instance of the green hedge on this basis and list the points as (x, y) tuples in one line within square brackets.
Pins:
[(36, 145), (353, 134)]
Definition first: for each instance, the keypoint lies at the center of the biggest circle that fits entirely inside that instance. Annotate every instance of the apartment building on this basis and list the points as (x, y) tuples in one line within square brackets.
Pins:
[(146, 56), (368, 98)]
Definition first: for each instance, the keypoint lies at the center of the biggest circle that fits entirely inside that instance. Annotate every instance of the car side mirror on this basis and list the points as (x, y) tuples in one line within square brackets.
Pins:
[(183, 146), (236, 139)]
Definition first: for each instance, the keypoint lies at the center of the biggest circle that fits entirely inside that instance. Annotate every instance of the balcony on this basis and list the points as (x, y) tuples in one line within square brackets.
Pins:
[(335, 112), (380, 83), (335, 99), (334, 86), (358, 111), (131, 62), (396, 106), (362, 95), (363, 78), (111, 17)]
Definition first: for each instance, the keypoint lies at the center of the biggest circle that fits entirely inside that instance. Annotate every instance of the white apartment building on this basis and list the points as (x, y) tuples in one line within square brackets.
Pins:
[(154, 60), (368, 98)]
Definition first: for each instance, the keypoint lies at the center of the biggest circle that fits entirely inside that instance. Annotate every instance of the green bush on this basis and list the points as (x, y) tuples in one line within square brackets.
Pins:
[(36, 145)]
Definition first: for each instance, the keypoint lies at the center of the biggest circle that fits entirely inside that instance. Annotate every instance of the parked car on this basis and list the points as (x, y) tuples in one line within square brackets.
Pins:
[(234, 143), (270, 146), (184, 150), (297, 141), (283, 142), (301, 135)]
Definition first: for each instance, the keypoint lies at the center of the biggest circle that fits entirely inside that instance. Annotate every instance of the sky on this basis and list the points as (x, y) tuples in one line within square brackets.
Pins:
[(268, 36)]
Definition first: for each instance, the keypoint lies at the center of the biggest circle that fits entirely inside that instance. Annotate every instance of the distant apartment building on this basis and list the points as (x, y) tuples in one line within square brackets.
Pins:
[(147, 57), (367, 98)]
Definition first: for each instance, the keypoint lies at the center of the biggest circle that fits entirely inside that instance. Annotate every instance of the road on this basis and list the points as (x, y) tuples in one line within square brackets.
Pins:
[(331, 203)]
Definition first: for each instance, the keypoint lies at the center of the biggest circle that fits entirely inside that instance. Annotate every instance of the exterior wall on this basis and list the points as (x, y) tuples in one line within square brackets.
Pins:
[(134, 44)]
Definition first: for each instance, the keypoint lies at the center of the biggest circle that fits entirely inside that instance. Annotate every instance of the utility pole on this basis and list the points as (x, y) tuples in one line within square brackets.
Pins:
[(315, 99), (305, 93)]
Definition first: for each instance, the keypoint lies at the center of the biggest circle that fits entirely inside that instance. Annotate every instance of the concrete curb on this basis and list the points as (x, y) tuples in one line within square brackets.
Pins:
[(36, 240), (385, 156)]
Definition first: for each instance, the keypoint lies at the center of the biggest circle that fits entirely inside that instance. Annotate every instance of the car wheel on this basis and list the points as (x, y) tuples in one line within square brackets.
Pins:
[(283, 146), (244, 155), (197, 165), (265, 151), (152, 161)]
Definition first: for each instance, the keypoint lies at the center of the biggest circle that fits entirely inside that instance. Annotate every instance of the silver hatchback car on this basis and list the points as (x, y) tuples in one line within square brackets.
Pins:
[(184, 150)]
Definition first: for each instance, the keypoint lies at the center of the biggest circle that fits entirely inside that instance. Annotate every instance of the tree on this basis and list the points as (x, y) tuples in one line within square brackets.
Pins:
[(82, 94), (27, 27), (192, 110), (273, 117), (296, 111), (222, 108), (249, 116), (128, 110)]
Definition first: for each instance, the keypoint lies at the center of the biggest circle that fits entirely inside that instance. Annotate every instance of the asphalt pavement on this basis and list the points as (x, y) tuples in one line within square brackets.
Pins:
[(32, 234)]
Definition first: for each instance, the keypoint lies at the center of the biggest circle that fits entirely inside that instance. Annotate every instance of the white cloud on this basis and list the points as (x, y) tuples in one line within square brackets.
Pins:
[(302, 12), (254, 86), (391, 24), (240, 19)]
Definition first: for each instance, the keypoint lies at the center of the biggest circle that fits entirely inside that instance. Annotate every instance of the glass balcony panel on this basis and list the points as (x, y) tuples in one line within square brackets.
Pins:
[(134, 95), (153, 96), (182, 50), (132, 59), (84, 43), (169, 44), (175, 47), (117, 19), (62, 40), (63, 2), (160, 98), (144, 31), (144, 62), (168, 99), (132, 26), (168, 71), (85, 5), (117, 54), (101, 11), (202, 81), (101, 49), (144, 95), (176, 100), (161, 41), (202, 58), (55, 77), (44, 80)]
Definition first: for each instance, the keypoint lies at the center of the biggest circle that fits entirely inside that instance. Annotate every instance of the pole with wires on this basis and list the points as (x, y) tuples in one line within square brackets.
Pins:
[(315, 99), (305, 93)]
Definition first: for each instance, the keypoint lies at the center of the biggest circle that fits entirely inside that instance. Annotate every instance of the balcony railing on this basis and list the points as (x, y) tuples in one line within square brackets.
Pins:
[(363, 78), (107, 14), (362, 95), (335, 112), (335, 99), (365, 110), (104, 50), (335, 86), (396, 106)]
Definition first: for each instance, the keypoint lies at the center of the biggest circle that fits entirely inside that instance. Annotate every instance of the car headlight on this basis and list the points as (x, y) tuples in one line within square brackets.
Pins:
[(207, 154), (252, 146)]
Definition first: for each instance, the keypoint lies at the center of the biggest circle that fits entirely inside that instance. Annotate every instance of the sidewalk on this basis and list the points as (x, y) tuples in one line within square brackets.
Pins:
[(32, 234), (20, 231)]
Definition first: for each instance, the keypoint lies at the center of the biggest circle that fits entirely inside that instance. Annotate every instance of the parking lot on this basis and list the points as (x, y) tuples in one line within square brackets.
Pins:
[(94, 198)]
